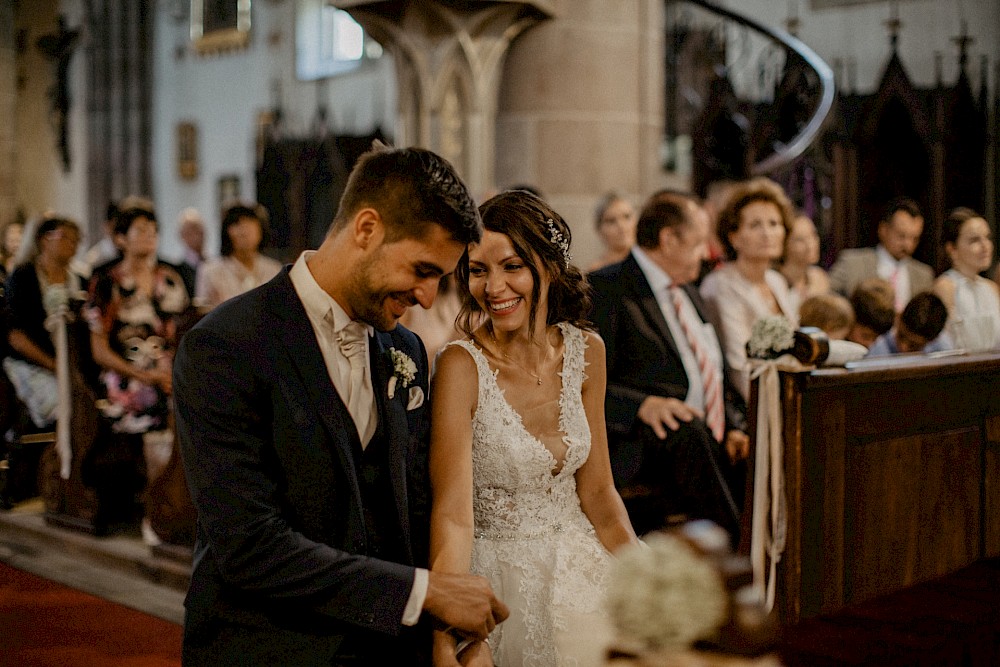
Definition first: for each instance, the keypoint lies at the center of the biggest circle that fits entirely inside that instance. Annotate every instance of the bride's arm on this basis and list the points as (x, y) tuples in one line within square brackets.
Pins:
[(454, 390), (598, 496)]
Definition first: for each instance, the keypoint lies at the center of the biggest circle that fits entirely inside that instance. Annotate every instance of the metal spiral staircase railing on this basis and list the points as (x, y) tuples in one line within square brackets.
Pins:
[(783, 53)]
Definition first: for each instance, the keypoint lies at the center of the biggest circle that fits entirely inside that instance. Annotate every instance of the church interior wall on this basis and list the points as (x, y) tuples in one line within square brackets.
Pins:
[(580, 105), (856, 34), (40, 181), (223, 96), (8, 107)]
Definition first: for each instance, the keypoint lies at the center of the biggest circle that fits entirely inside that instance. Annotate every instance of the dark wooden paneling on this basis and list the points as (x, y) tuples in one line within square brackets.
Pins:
[(911, 510), (991, 486), (892, 476)]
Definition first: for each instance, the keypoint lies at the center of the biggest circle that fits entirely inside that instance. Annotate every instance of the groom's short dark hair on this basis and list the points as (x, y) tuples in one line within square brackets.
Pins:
[(411, 188)]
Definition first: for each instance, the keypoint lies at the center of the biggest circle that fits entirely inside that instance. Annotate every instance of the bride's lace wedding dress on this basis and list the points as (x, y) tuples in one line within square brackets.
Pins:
[(532, 540)]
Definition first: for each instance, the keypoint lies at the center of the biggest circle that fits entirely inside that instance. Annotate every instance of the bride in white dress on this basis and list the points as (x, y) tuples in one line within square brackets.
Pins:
[(521, 479)]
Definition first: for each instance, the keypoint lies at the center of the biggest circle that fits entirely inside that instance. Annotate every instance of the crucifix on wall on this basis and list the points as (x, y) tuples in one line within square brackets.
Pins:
[(58, 47)]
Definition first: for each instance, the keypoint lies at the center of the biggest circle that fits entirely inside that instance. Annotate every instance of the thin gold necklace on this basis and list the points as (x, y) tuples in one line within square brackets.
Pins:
[(506, 356)]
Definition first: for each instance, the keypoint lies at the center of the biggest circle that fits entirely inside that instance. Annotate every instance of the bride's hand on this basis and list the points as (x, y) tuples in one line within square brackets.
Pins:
[(473, 653), (476, 655), (444, 649)]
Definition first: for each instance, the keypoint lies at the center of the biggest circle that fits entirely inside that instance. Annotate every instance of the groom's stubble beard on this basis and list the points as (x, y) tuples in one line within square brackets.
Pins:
[(370, 294)]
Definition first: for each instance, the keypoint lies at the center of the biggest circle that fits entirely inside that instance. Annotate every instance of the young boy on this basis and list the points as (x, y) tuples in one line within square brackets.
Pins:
[(918, 329)]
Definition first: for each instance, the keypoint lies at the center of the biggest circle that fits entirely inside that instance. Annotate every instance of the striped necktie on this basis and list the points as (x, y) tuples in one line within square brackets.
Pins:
[(711, 378)]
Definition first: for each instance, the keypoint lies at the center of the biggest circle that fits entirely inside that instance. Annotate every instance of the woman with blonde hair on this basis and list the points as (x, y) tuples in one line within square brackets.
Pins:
[(752, 229), (615, 220)]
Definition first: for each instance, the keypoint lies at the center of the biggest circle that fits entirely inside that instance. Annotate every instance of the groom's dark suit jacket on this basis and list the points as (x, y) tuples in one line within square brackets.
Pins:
[(282, 572), (643, 359)]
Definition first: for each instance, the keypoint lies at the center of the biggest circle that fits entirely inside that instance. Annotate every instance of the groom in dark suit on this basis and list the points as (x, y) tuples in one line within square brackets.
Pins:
[(302, 417), (670, 410)]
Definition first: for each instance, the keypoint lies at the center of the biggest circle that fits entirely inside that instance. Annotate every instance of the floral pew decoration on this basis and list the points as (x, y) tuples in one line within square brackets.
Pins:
[(683, 598)]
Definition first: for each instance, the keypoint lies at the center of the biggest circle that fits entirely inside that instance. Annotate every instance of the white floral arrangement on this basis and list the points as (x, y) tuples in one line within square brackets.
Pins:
[(770, 337), (665, 596), (404, 370)]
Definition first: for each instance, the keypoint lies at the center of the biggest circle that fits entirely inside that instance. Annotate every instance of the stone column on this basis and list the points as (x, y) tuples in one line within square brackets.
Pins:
[(8, 109), (449, 60), (581, 110)]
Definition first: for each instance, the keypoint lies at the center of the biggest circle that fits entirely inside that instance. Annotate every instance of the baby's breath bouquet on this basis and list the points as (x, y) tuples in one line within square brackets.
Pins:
[(770, 338), (665, 596)]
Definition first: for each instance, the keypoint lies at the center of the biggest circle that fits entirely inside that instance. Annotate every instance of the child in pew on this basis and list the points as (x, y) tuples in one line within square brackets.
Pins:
[(830, 312), (873, 302), (918, 329)]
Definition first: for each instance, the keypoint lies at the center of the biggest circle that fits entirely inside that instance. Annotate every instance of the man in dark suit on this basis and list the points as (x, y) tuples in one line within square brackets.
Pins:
[(303, 427), (669, 408)]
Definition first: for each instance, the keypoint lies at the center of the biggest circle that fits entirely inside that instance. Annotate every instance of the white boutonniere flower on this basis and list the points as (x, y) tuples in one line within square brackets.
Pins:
[(404, 370)]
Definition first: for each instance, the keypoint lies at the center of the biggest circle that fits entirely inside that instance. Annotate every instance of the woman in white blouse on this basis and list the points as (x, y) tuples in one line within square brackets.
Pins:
[(241, 266), (752, 229), (973, 301)]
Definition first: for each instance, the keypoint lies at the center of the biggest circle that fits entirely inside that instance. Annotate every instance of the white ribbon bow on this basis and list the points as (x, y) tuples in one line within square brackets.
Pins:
[(769, 527), (56, 325)]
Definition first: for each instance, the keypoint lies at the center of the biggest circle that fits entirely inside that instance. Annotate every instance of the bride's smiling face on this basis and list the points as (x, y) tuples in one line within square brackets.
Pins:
[(502, 284)]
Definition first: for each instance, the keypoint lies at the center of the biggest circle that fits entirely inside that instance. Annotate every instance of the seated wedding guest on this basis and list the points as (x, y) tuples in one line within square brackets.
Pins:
[(10, 241), (874, 311), (191, 231), (717, 195), (830, 312), (920, 328), (752, 229), (104, 251), (898, 235), (670, 408), (134, 310), (973, 302), (615, 221), (240, 266), (40, 284), (521, 482), (798, 263)]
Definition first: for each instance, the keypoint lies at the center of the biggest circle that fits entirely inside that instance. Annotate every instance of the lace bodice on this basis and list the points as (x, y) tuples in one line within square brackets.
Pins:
[(515, 492), (533, 541)]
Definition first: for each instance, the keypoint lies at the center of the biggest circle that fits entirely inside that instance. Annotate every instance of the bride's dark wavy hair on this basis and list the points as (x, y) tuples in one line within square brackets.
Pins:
[(523, 218)]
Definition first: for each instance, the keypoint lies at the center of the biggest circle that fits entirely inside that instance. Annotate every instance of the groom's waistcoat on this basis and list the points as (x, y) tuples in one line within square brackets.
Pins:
[(383, 532)]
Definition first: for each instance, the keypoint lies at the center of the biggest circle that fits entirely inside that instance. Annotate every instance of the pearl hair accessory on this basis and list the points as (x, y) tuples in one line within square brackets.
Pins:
[(559, 240)]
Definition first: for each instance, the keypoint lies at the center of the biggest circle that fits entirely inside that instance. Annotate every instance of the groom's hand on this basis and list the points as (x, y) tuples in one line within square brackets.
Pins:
[(464, 603)]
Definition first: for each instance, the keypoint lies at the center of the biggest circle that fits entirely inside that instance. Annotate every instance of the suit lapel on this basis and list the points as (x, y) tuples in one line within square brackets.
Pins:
[(392, 424), (306, 359), (650, 307)]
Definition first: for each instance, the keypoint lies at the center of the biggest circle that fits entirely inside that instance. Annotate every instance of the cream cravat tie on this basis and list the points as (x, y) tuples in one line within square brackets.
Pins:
[(352, 340)]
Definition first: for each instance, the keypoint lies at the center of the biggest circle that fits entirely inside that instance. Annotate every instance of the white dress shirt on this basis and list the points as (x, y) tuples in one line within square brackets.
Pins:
[(887, 267), (660, 283), (319, 307)]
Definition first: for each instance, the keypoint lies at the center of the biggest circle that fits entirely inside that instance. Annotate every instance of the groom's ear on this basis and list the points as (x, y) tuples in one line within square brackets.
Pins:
[(367, 228)]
